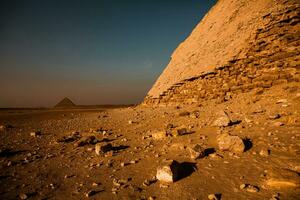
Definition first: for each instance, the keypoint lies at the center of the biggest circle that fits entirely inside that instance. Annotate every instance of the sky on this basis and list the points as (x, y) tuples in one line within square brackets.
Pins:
[(92, 51)]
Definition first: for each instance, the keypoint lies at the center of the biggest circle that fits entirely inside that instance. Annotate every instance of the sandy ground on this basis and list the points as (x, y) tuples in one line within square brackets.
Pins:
[(51, 165)]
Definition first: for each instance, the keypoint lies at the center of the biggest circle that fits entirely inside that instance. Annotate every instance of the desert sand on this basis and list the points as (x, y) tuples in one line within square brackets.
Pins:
[(221, 122)]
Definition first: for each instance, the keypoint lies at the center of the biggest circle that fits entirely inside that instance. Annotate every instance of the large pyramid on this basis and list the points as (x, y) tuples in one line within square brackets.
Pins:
[(64, 103), (239, 45)]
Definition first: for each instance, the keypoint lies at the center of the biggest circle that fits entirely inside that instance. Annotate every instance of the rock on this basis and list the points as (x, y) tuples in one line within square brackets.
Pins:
[(282, 178), (90, 193), (86, 140), (168, 171), (230, 143), (35, 133), (23, 196), (223, 120), (159, 135), (252, 188), (197, 152), (179, 131), (130, 122), (213, 197), (249, 188), (183, 114), (264, 152), (277, 124), (103, 148), (70, 138), (2, 127), (282, 101), (274, 116)]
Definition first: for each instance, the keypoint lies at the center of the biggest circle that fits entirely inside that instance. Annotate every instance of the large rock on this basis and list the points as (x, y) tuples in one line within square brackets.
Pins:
[(168, 171), (230, 143)]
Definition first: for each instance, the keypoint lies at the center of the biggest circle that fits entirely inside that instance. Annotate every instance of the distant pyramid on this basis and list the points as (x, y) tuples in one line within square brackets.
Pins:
[(66, 102)]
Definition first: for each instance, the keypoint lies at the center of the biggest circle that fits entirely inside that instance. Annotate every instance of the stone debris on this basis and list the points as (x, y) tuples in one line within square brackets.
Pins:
[(197, 152), (101, 148), (70, 138), (168, 171), (213, 197), (35, 133), (86, 140), (90, 193), (282, 178), (230, 143), (23, 196), (264, 152), (223, 120), (183, 114), (159, 135), (179, 131), (277, 124), (249, 188)]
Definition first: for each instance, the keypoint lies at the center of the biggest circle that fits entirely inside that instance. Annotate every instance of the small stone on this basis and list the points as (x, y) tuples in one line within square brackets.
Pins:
[(197, 152), (277, 124), (242, 186), (168, 171), (130, 122), (23, 196), (230, 143), (223, 120), (184, 113), (275, 116), (35, 133), (282, 178), (282, 101), (123, 164), (179, 131), (264, 152), (252, 188), (159, 135), (90, 193), (213, 197), (103, 148)]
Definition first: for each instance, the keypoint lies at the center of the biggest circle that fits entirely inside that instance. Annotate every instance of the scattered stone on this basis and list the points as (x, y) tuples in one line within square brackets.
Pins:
[(274, 116), (282, 178), (70, 138), (197, 152), (90, 193), (168, 171), (264, 152), (183, 114), (249, 188), (230, 143), (223, 120), (23, 196), (282, 101), (86, 140), (35, 133), (103, 148), (213, 197), (179, 131), (159, 135), (278, 124)]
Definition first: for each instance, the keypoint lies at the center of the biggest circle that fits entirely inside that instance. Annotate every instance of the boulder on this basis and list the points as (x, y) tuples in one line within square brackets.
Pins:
[(168, 171), (230, 143), (196, 152), (103, 148)]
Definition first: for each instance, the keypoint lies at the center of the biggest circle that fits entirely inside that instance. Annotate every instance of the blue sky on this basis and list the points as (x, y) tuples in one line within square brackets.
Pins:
[(92, 51)]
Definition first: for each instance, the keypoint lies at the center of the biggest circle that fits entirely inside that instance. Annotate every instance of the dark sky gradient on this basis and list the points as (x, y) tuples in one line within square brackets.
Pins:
[(92, 51)]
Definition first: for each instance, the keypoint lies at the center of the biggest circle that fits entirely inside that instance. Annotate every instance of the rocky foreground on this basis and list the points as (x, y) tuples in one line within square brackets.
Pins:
[(244, 148)]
